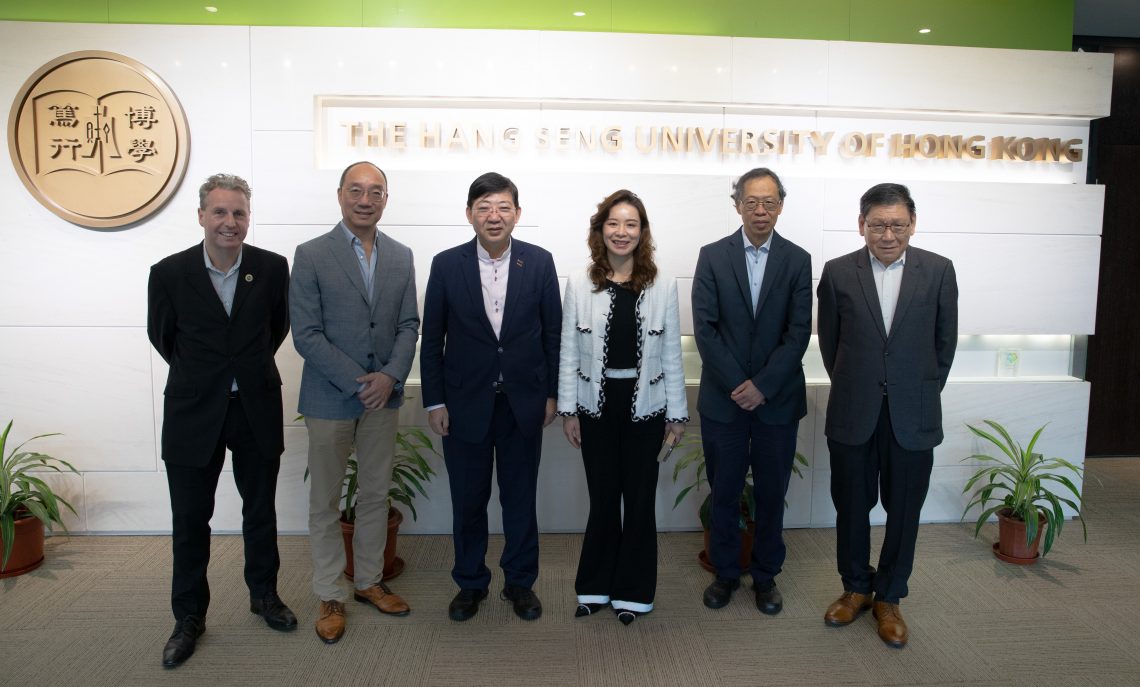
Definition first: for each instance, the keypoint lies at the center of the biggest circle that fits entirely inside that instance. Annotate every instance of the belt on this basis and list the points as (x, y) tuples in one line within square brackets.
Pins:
[(627, 373)]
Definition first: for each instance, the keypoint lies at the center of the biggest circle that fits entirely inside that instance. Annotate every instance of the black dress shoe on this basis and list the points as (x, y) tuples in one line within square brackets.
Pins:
[(768, 598), (527, 606), (182, 641), (719, 593), (277, 615), (627, 616), (588, 609), (466, 604)]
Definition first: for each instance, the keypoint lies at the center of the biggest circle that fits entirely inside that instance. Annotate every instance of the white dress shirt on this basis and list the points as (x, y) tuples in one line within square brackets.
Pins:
[(888, 278), (493, 274)]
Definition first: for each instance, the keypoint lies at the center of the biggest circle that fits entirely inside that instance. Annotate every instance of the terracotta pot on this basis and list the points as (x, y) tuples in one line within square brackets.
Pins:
[(746, 538), (1011, 546), (27, 549), (393, 564)]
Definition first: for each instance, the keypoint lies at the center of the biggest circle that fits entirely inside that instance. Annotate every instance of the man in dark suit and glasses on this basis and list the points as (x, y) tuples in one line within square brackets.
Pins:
[(752, 320), (489, 368), (217, 312), (888, 327)]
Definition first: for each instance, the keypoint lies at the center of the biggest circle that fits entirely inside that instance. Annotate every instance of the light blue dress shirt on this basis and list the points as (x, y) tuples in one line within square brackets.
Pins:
[(756, 258), (367, 264)]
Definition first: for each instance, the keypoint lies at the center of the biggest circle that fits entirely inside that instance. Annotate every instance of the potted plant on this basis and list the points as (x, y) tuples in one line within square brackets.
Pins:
[(410, 472), (1016, 481), (692, 461), (27, 505)]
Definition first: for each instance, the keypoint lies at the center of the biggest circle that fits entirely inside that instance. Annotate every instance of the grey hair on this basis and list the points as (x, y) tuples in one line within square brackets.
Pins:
[(758, 173), (227, 182)]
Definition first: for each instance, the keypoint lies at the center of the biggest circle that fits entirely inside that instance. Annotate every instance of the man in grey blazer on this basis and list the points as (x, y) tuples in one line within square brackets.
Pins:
[(752, 321), (353, 306), (888, 327)]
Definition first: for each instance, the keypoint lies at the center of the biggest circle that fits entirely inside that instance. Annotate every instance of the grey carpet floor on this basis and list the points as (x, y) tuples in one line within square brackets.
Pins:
[(97, 614)]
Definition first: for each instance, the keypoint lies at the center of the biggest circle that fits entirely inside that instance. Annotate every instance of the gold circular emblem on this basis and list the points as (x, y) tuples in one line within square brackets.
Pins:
[(99, 139)]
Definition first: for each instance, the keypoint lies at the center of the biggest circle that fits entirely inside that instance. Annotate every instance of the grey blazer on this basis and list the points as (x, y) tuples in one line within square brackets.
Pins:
[(910, 363), (338, 333)]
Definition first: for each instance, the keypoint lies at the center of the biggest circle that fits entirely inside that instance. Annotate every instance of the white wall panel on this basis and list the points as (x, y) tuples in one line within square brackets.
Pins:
[(768, 70), (91, 384), (292, 64), (991, 80)]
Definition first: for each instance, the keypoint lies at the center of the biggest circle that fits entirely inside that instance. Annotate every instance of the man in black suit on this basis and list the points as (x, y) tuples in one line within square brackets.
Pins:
[(888, 327), (489, 370), (752, 320), (217, 312)]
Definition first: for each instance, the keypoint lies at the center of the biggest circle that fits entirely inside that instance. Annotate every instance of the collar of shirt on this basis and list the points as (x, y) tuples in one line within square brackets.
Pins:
[(901, 262), (749, 248), (215, 270), (483, 255), (355, 241)]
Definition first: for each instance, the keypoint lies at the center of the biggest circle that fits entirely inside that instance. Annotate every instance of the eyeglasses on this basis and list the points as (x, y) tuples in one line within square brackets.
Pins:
[(484, 210), (880, 229), (751, 204), (376, 196)]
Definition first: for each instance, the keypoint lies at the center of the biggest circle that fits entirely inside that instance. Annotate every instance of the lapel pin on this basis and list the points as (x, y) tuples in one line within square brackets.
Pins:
[(248, 277), (519, 262)]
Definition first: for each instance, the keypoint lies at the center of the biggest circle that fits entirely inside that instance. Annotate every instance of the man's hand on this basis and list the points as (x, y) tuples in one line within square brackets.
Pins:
[(551, 411), (573, 430), (747, 396), (377, 389), (439, 421)]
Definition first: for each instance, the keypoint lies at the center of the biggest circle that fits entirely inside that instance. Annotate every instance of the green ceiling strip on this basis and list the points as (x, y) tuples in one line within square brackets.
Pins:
[(1032, 24)]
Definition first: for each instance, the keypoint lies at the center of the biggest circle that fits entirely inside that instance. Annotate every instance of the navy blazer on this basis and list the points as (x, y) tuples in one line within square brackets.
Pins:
[(910, 363), (460, 357), (737, 343), (207, 350)]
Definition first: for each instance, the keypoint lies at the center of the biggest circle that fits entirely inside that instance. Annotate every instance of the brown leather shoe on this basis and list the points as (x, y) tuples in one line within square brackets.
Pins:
[(330, 621), (846, 608), (892, 627), (383, 599)]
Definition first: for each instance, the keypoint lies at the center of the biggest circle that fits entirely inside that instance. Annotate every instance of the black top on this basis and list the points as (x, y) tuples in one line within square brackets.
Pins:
[(621, 348)]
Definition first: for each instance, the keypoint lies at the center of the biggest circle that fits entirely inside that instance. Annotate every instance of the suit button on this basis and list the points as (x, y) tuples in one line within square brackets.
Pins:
[(370, 356), (371, 325), (500, 349)]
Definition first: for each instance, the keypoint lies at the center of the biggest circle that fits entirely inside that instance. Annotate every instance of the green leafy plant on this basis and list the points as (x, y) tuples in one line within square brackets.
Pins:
[(22, 493), (410, 472), (691, 463), (1016, 480)]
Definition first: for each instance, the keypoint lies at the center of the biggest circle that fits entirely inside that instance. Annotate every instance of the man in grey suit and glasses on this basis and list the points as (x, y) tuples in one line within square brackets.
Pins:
[(355, 322), (888, 327)]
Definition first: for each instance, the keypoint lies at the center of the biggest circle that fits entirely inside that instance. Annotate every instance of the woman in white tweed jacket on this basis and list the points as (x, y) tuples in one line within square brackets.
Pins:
[(621, 392)]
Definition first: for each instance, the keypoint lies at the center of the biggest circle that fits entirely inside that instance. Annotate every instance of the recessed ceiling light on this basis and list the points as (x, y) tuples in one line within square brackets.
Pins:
[(924, 30), (579, 13), (211, 8)]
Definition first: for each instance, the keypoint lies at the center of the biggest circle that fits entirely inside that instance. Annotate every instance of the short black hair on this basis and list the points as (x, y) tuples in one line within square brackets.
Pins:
[(343, 174), (492, 182), (886, 194), (758, 173)]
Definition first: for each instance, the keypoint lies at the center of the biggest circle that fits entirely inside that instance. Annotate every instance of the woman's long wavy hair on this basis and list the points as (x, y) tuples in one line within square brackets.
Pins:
[(644, 269)]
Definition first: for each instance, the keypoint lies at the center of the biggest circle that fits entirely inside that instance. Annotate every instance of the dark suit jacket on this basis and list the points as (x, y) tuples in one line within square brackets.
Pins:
[(766, 345), (207, 350), (911, 362), (460, 358)]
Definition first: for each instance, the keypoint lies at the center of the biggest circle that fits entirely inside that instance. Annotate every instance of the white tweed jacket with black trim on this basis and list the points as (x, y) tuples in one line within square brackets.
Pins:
[(660, 386)]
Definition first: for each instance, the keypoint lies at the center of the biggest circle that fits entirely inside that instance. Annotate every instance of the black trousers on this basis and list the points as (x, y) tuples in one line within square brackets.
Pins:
[(469, 469), (731, 449), (859, 474), (619, 554), (192, 505)]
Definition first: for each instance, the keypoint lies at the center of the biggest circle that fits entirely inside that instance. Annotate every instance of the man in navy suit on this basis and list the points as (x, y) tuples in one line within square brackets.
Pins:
[(216, 313), (752, 320), (489, 369), (888, 329)]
